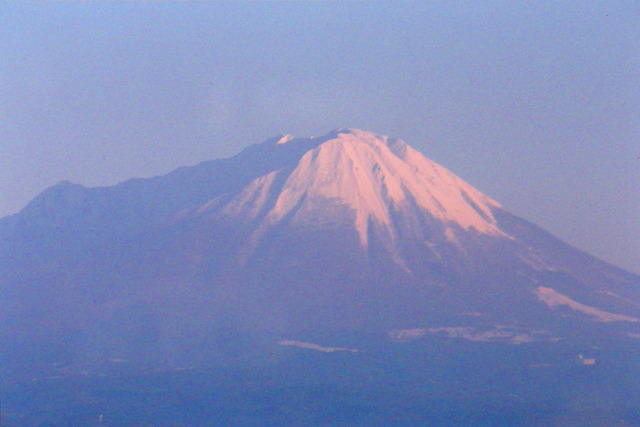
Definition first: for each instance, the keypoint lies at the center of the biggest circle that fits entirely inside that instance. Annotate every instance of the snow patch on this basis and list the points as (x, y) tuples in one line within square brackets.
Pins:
[(534, 261), (620, 297), (496, 333), (316, 347), (586, 361), (555, 299), (285, 139)]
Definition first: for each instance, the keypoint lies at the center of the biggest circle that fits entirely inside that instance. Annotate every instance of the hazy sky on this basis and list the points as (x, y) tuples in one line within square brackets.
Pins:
[(535, 103)]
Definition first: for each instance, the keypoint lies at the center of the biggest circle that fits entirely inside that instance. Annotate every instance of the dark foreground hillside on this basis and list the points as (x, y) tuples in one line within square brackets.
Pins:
[(441, 382)]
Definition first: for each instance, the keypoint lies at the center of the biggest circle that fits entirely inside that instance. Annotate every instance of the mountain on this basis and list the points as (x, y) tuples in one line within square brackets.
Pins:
[(349, 242)]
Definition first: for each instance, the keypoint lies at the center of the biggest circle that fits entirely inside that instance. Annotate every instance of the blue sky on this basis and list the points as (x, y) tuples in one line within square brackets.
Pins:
[(537, 104)]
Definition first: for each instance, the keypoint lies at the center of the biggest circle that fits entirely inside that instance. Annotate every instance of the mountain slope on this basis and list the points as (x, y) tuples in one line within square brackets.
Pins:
[(351, 233)]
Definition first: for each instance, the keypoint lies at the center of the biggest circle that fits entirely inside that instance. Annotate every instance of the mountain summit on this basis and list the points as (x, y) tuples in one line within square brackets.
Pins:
[(375, 178), (349, 233)]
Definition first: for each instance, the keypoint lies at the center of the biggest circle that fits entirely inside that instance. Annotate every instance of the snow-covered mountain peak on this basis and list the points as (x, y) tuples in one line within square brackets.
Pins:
[(377, 178)]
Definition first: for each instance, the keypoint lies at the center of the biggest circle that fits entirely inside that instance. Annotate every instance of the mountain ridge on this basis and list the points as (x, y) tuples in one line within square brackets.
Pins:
[(350, 231)]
